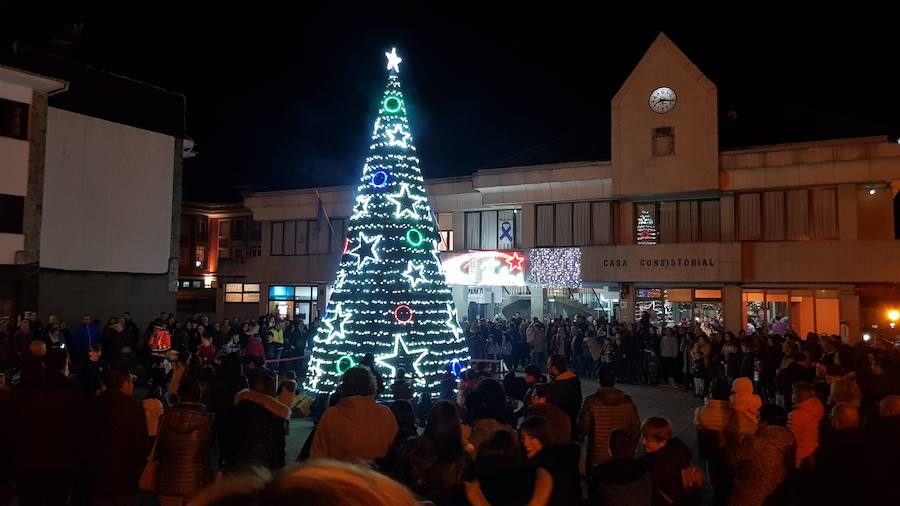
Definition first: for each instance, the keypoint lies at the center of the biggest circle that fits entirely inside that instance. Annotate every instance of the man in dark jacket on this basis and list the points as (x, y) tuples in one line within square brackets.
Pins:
[(257, 430), (607, 410), (47, 421), (85, 335), (118, 442), (565, 387), (835, 456), (621, 481)]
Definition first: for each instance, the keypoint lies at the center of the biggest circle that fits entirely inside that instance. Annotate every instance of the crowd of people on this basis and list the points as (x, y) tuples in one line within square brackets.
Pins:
[(96, 416)]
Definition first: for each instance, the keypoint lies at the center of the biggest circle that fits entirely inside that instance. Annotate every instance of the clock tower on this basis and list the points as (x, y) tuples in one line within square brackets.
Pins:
[(665, 126)]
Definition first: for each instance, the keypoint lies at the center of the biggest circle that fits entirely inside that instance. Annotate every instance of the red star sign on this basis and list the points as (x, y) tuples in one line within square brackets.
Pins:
[(515, 262)]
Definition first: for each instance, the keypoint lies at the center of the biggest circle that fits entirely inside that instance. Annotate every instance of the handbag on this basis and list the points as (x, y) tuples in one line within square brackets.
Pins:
[(147, 482)]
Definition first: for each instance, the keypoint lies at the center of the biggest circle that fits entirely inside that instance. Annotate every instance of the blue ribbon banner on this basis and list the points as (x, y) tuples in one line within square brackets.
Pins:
[(505, 229)]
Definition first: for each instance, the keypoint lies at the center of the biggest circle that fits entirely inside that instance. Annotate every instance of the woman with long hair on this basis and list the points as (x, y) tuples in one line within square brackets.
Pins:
[(433, 464)]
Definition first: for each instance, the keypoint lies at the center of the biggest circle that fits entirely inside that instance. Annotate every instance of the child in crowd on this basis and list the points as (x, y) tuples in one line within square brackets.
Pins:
[(746, 407), (153, 410)]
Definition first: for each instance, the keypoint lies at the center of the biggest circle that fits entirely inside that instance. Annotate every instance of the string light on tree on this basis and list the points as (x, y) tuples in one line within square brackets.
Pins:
[(390, 276), (555, 267)]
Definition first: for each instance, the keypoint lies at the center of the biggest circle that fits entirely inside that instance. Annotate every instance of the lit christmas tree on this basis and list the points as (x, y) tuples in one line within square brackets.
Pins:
[(646, 228), (390, 295)]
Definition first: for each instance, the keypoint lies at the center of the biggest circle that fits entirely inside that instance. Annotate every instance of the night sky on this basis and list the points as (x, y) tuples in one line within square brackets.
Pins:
[(289, 103)]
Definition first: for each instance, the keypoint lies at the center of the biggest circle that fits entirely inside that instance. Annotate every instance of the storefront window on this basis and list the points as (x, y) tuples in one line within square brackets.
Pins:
[(803, 310), (679, 306), (242, 292)]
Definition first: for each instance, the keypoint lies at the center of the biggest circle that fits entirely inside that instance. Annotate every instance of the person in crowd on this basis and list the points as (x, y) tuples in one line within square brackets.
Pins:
[(185, 437), (180, 367), (21, 340), (505, 477), (92, 372), (799, 369), (536, 337), (287, 389), (86, 335), (603, 412), (878, 384), (400, 388), (233, 345), (433, 465), (54, 338), (835, 457), (257, 430), (119, 443), (763, 462), (206, 351), (47, 419), (368, 361), (559, 459), (675, 480), (700, 356), (803, 421), (745, 405), (255, 347), (533, 376), (565, 387), (488, 411), (622, 480), (668, 354), (228, 382), (541, 405), (712, 422), (114, 343), (357, 427), (153, 410)]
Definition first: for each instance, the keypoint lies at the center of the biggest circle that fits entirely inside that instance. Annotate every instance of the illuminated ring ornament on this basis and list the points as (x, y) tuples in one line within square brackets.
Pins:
[(392, 104), (403, 314), (414, 237), (456, 368), (380, 179), (346, 359)]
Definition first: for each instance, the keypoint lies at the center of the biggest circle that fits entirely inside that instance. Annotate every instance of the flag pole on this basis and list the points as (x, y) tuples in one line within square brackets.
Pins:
[(322, 206)]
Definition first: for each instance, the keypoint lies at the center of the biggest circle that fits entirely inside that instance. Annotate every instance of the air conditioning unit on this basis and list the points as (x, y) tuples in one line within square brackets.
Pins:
[(20, 257)]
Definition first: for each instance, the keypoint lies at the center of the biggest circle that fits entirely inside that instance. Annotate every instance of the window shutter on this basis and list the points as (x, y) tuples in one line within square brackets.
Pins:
[(668, 222), (825, 214), (473, 230), (277, 238), (544, 225), (798, 215), (489, 229), (601, 222), (773, 212), (749, 228), (709, 220)]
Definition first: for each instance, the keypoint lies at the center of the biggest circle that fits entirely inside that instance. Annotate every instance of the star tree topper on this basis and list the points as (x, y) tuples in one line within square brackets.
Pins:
[(393, 60)]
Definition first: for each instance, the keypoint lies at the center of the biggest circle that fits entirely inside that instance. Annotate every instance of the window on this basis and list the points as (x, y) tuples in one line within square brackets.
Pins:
[(446, 241), (680, 221), (574, 224), (663, 141), (239, 230), (473, 230), (255, 251), (241, 292), (199, 256), (646, 226), (201, 229), (13, 119), (255, 231), (12, 209), (790, 215), (279, 292), (305, 237)]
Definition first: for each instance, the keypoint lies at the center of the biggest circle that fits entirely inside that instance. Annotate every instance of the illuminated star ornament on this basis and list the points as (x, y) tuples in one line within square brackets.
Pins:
[(451, 321), (338, 315), (399, 136), (515, 262), (401, 358), (415, 274), (406, 202), (365, 250), (393, 60), (361, 208), (339, 279)]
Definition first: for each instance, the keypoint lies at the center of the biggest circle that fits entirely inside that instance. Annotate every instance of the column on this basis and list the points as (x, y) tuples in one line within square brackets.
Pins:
[(849, 311), (626, 303), (733, 308), (461, 299), (537, 302)]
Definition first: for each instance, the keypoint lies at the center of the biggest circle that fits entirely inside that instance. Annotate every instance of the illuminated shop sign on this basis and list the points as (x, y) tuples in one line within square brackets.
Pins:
[(485, 268)]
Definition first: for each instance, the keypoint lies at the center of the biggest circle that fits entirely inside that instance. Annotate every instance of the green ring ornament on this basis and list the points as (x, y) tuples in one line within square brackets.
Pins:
[(392, 104), (414, 237), (345, 358)]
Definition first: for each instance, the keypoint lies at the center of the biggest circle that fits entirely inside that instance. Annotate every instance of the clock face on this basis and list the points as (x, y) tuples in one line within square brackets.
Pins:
[(662, 100)]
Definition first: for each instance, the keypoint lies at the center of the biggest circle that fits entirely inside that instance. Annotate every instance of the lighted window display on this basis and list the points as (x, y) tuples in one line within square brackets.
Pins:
[(803, 310), (679, 306), (646, 224), (241, 292), (485, 268)]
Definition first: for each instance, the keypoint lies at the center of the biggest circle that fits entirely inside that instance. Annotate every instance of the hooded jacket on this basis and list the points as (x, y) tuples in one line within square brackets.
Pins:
[(605, 411), (182, 449), (565, 392), (804, 423), (257, 431), (536, 336), (356, 428), (746, 407)]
